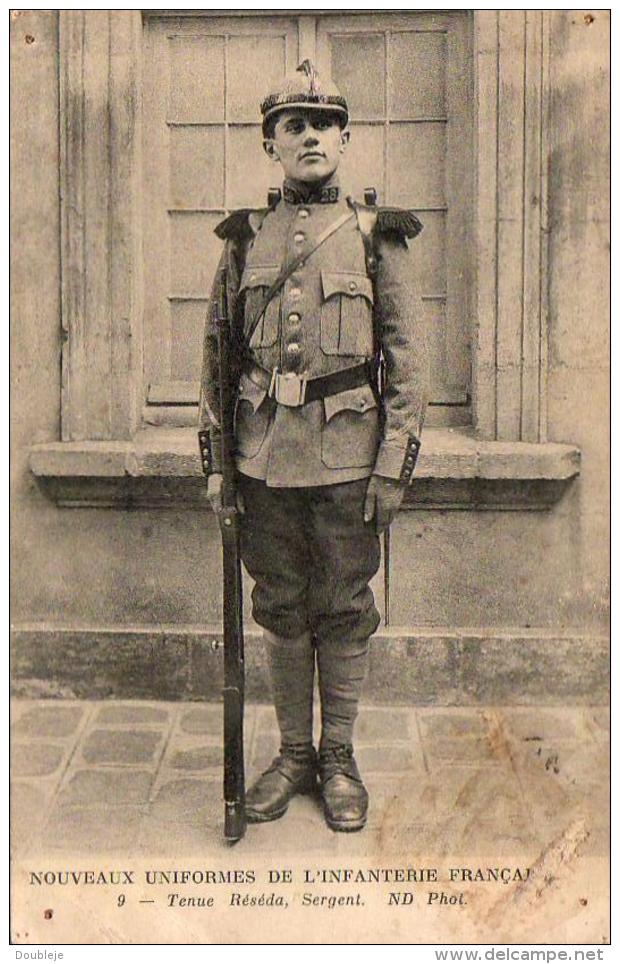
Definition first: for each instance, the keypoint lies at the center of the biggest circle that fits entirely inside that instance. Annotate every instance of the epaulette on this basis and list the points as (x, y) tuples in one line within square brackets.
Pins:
[(398, 221), (241, 225), (373, 220)]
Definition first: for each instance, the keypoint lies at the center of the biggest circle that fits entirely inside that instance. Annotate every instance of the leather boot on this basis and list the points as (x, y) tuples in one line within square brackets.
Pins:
[(293, 771), (345, 798)]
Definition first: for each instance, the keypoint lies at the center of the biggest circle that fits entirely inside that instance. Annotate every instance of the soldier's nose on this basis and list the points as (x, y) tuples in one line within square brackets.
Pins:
[(311, 140)]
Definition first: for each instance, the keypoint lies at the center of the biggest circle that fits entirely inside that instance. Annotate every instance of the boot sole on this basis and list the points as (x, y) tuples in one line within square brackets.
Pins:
[(348, 826), (255, 816), (252, 816)]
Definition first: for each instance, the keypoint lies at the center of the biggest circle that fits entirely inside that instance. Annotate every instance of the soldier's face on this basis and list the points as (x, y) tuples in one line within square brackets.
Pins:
[(308, 144)]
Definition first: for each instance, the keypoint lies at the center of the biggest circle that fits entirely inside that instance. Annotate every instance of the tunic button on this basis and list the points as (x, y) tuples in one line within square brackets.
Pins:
[(295, 293), (294, 317), (299, 238), (352, 285), (303, 213), (293, 348)]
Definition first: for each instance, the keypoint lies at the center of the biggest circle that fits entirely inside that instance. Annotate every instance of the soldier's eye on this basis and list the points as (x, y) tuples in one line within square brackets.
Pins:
[(322, 123)]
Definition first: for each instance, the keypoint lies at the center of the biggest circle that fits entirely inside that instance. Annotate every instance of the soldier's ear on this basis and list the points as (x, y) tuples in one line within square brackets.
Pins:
[(270, 149), (345, 136)]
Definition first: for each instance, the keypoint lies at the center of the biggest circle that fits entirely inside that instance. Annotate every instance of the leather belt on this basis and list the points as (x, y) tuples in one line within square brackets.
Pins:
[(293, 390)]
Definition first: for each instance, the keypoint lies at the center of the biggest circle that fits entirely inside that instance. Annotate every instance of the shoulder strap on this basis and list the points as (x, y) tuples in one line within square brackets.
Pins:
[(366, 215), (292, 267)]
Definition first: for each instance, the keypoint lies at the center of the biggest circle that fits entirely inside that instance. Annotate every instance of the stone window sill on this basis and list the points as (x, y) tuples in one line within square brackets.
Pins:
[(160, 468)]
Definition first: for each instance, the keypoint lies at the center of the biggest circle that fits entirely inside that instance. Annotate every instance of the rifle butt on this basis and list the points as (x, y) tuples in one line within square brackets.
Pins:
[(234, 822), (234, 770)]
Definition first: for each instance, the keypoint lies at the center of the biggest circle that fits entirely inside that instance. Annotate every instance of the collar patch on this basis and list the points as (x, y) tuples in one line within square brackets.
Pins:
[(328, 194)]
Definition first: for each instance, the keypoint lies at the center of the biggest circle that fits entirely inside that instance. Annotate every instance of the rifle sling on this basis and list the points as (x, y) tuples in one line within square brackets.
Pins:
[(292, 267)]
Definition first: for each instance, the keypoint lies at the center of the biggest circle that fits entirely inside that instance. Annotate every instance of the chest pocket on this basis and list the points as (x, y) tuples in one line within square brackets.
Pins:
[(255, 282), (346, 314)]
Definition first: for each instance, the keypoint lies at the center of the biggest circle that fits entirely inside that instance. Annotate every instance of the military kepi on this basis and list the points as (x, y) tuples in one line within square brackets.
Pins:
[(305, 89)]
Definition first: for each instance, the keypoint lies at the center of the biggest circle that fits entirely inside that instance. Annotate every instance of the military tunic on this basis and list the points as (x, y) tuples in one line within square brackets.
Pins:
[(323, 320)]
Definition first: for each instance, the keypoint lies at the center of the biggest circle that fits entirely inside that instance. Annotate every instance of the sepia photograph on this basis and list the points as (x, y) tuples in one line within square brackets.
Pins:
[(310, 417)]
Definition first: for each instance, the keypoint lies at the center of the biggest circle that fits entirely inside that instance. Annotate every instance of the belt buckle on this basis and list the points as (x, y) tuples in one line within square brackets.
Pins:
[(288, 388)]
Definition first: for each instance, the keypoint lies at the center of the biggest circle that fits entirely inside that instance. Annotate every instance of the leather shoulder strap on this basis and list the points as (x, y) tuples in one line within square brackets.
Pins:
[(366, 215), (292, 267)]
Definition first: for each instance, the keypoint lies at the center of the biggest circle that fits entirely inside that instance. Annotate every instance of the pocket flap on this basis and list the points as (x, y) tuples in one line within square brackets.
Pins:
[(250, 392), (353, 400), (259, 275), (350, 283)]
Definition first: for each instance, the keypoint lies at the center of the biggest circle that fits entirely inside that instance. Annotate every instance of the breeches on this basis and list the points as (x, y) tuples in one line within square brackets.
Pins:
[(312, 556)]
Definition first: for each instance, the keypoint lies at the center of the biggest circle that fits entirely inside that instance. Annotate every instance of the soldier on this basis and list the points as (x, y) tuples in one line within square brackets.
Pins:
[(318, 286)]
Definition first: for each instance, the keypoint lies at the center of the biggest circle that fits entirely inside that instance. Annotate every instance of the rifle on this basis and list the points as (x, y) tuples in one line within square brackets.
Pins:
[(234, 676)]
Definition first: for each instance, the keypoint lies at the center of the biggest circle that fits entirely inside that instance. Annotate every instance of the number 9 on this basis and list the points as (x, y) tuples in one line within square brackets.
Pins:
[(120, 900)]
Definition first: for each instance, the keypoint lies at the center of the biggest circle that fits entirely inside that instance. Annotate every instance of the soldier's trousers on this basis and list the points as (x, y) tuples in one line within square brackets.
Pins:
[(312, 556)]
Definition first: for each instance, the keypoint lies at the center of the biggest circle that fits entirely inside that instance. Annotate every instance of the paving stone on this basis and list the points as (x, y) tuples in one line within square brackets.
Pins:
[(131, 713), (533, 724), (404, 796), (203, 720), (439, 752), (189, 801), (383, 726), (483, 791), (581, 769), (28, 810), (397, 836), (120, 746), (448, 723), (35, 759), (106, 788), (555, 801), (93, 832), (388, 758), (584, 766), (197, 758), (49, 721), (598, 722), (291, 833), (501, 841), (601, 716), (182, 840)]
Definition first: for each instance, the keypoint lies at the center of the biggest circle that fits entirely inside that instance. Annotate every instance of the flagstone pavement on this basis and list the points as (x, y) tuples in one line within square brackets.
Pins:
[(92, 778)]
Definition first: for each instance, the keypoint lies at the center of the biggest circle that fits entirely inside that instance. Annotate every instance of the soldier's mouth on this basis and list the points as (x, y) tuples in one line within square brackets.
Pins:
[(312, 154)]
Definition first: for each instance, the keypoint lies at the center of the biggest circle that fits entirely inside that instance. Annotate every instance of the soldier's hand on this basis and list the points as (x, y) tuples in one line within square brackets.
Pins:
[(214, 494), (383, 500)]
